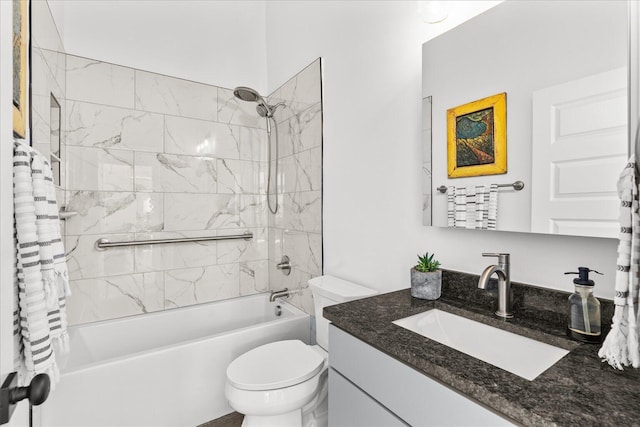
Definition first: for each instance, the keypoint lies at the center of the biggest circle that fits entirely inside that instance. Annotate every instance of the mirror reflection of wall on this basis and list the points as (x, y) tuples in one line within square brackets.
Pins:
[(426, 161), (563, 67), (54, 130)]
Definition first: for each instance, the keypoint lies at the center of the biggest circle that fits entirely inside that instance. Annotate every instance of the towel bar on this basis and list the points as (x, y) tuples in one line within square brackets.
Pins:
[(103, 244), (518, 185)]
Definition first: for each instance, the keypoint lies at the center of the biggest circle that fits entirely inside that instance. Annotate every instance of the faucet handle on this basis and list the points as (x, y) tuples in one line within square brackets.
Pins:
[(503, 258)]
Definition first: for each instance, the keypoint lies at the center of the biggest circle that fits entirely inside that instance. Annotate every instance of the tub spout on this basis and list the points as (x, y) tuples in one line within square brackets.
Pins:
[(284, 293)]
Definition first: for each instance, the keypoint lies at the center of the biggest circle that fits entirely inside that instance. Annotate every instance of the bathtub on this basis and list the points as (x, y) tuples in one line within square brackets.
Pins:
[(166, 368)]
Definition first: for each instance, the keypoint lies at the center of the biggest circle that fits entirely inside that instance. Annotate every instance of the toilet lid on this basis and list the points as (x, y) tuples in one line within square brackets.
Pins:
[(275, 365)]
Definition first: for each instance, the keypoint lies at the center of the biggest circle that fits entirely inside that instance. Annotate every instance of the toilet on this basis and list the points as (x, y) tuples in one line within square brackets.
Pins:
[(284, 383)]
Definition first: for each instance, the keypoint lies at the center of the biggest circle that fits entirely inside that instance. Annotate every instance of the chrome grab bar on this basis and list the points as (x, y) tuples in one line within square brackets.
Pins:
[(518, 185), (103, 244)]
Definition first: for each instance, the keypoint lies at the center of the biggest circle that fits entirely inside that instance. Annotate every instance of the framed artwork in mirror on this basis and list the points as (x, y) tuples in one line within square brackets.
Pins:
[(477, 138), (20, 45)]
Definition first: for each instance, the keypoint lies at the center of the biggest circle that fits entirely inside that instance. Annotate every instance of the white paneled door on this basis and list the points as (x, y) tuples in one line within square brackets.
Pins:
[(579, 149)]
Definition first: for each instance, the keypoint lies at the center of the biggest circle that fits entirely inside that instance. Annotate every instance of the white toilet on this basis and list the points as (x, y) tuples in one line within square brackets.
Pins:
[(284, 383)]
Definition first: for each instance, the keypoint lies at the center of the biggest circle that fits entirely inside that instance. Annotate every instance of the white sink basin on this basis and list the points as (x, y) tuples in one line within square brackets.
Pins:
[(519, 355)]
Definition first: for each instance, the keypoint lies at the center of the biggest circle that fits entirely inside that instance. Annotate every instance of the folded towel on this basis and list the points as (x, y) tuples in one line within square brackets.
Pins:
[(620, 347), (43, 283), (473, 207)]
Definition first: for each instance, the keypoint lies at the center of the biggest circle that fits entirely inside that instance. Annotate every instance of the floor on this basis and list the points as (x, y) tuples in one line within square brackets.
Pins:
[(233, 419)]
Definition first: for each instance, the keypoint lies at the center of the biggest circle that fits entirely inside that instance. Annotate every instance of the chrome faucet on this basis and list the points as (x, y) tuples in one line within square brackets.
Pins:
[(284, 293), (505, 303)]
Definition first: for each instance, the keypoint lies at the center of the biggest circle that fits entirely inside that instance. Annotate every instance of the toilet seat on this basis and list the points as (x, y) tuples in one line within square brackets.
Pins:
[(275, 365)]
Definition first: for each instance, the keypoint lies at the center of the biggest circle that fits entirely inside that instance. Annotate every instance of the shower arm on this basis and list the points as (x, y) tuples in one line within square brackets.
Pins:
[(273, 108), (270, 111), (267, 110)]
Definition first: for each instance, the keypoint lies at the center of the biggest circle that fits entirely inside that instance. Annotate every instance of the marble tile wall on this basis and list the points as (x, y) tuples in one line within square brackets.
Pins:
[(47, 80), (296, 229), (151, 156)]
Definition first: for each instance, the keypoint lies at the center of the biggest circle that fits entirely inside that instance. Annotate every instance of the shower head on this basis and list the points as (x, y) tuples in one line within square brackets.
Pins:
[(247, 94), (251, 95), (263, 110), (267, 111)]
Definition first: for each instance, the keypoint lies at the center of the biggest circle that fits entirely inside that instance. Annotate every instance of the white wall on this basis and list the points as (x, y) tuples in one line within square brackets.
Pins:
[(372, 152), (215, 42)]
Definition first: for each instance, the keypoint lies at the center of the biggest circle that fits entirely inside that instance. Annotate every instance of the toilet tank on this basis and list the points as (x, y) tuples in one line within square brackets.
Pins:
[(329, 290)]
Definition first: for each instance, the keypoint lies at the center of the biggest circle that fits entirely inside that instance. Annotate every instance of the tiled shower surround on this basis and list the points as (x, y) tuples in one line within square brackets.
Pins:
[(296, 229), (150, 156)]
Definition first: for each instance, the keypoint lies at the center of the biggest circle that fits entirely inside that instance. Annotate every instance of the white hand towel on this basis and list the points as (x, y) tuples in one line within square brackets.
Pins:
[(472, 207), (620, 347), (43, 283)]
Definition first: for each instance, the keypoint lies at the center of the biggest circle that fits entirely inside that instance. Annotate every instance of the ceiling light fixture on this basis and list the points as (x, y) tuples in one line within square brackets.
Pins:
[(432, 12)]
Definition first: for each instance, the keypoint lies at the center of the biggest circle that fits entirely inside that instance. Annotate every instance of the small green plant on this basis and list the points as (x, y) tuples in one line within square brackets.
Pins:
[(427, 264)]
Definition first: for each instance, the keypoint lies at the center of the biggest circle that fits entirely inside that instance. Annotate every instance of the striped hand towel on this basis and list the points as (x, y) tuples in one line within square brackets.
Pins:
[(620, 347), (42, 276), (473, 207)]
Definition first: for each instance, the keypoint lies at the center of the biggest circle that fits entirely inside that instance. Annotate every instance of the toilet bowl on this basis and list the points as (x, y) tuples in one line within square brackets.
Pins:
[(275, 384), (284, 383)]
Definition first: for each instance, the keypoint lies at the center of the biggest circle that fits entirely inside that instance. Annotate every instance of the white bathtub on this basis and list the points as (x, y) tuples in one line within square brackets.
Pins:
[(166, 368)]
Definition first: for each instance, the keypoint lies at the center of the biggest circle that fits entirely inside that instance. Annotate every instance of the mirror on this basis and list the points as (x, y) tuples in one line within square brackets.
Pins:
[(563, 67)]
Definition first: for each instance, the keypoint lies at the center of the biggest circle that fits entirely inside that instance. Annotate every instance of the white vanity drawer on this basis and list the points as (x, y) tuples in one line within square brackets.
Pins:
[(409, 394), (351, 407)]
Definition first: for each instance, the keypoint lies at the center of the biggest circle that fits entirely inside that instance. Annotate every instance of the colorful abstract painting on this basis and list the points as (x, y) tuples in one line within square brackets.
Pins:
[(476, 137)]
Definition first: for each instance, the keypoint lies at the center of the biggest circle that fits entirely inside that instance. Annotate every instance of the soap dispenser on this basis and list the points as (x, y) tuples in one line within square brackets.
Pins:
[(584, 309)]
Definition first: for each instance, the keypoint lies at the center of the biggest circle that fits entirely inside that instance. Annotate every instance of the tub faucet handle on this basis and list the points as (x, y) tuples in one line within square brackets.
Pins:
[(284, 265)]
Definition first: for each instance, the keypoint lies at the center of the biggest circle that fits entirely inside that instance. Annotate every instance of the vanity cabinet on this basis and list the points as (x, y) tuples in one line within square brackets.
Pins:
[(369, 388), (350, 406)]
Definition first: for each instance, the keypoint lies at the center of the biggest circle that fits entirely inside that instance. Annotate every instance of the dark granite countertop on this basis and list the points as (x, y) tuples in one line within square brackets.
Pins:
[(577, 390)]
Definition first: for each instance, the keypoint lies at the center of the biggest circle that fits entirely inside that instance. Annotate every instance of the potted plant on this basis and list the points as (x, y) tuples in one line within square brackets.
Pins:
[(426, 278)]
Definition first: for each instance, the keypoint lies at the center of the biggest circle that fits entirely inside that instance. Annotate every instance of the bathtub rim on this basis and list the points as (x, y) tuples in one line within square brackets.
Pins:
[(156, 313), (297, 314)]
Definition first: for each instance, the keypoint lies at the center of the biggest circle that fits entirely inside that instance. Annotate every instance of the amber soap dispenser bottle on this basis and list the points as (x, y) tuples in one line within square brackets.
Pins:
[(584, 309)]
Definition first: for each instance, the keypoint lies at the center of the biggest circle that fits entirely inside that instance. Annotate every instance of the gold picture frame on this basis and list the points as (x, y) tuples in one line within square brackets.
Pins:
[(477, 138), (20, 45)]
